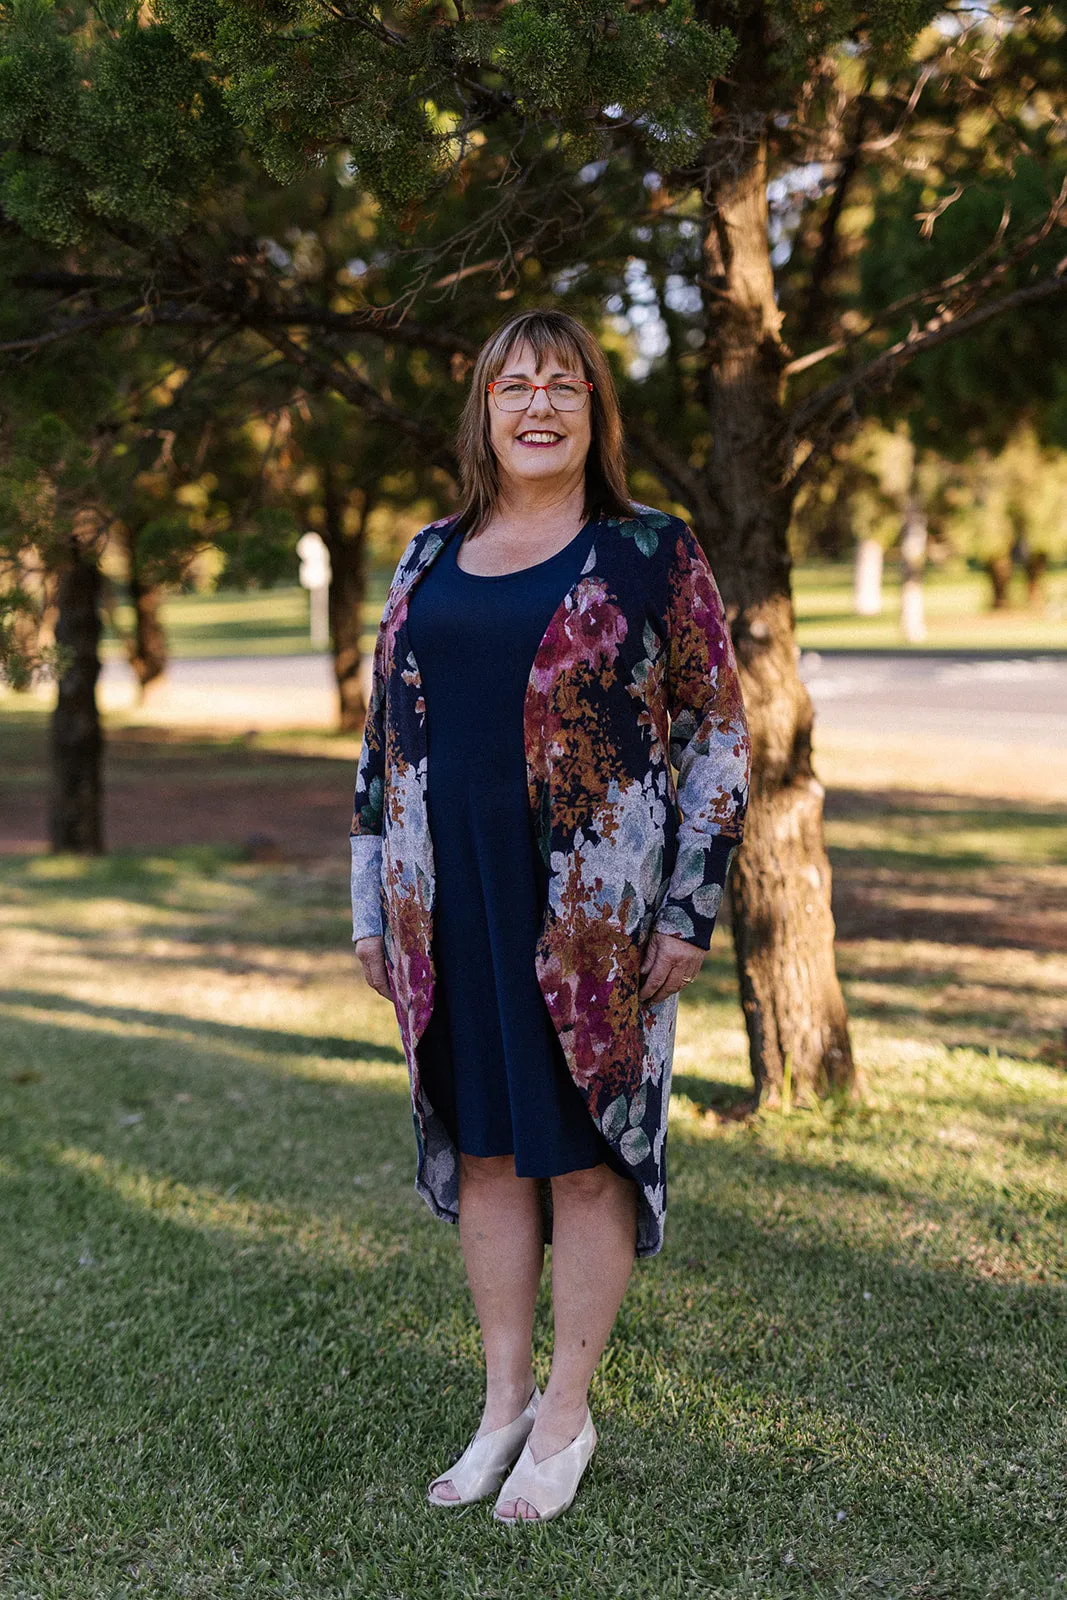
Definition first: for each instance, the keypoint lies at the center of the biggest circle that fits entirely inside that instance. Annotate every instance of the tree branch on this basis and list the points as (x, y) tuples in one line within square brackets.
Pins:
[(319, 374), (219, 306), (684, 482), (966, 291), (946, 325), (826, 254)]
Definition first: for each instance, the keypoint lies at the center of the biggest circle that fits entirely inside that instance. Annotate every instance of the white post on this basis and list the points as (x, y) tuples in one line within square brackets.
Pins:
[(913, 561), (867, 579), (315, 577)]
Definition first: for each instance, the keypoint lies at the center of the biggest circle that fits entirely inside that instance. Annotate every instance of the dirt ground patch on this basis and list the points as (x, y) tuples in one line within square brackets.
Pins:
[(908, 863), (167, 788)]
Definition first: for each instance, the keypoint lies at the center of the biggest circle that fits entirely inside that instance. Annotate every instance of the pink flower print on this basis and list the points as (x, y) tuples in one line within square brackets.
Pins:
[(585, 632)]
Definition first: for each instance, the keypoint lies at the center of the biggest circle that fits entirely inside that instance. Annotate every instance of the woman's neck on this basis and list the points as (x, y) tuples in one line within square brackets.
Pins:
[(546, 506)]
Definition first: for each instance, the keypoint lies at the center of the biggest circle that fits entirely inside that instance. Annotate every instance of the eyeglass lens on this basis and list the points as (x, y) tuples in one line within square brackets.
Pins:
[(517, 396)]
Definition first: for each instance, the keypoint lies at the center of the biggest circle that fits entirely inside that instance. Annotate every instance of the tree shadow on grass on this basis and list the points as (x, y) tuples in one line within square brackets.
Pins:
[(239, 1367), (709, 1094), (275, 1041), (230, 1400)]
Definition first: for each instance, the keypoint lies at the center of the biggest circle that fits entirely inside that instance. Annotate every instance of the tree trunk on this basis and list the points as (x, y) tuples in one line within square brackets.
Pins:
[(913, 562), (867, 579), (146, 648), (77, 743), (780, 883), (348, 582), (1035, 568), (999, 570)]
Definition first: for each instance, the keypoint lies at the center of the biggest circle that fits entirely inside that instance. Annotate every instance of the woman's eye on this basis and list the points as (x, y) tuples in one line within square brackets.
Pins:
[(513, 388), (565, 388)]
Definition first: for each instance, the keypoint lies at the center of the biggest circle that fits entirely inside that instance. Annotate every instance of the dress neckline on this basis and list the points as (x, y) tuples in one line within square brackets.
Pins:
[(520, 572)]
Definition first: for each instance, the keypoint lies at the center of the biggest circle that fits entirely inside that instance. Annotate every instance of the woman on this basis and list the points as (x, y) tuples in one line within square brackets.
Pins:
[(530, 886)]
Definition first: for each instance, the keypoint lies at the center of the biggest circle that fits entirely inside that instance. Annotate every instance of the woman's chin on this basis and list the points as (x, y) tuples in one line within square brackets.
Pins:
[(526, 461)]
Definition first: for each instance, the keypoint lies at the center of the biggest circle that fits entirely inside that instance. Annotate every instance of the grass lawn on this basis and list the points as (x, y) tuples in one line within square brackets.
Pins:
[(275, 622), (236, 1346)]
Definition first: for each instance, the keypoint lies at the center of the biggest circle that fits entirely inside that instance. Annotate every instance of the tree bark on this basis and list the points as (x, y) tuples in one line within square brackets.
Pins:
[(1035, 567), (77, 742), (348, 582), (779, 887), (147, 649), (999, 571)]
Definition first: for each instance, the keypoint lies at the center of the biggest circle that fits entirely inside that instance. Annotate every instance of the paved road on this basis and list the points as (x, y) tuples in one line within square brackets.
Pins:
[(1009, 700)]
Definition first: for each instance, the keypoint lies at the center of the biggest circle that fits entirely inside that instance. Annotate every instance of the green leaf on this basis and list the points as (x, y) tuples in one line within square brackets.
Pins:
[(614, 1119), (707, 900), (688, 874), (634, 1146)]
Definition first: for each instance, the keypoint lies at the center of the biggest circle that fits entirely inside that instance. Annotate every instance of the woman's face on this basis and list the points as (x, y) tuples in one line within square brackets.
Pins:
[(540, 443)]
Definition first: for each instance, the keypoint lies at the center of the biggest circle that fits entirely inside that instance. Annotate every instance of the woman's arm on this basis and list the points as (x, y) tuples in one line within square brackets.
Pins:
[(709, 745), (367, 810)]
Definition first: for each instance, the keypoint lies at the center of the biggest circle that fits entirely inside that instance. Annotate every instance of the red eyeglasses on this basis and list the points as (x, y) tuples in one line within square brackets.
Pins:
[(515, 394)]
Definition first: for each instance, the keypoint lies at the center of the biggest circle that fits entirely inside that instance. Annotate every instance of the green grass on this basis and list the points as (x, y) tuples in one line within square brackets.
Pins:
[(236, 1346), (275, 622), (957, 612), (258, 622)]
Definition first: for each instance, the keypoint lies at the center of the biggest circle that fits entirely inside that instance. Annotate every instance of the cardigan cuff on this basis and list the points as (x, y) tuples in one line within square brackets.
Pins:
[(366, 885), (696, 889)]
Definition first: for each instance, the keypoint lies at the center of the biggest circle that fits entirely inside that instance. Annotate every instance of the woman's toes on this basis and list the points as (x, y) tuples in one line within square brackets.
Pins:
[(517, 1511), (445, 1490)]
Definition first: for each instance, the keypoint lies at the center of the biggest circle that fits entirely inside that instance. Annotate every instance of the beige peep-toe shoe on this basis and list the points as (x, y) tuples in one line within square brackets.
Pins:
[(483, 1466), (550, 1485)]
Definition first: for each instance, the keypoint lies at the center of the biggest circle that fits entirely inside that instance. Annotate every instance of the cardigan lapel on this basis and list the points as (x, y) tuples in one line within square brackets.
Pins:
[(438, 536)]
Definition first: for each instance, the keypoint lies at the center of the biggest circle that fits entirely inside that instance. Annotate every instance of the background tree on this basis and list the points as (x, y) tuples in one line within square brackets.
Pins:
[(697, 179), (1008, 508)]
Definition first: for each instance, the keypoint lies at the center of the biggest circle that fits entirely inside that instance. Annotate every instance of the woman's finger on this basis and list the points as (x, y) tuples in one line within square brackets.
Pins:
[(657, 974), (374, 973), (675, 978)]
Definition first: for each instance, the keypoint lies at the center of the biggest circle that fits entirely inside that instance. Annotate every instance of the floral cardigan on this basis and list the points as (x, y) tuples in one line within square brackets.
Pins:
[(635, 674)]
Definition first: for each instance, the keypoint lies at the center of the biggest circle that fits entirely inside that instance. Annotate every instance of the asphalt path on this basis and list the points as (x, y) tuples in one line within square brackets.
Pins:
[(1006, 699)]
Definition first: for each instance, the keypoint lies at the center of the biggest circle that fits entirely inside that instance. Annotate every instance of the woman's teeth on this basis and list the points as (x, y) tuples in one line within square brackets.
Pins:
[(539, 438)]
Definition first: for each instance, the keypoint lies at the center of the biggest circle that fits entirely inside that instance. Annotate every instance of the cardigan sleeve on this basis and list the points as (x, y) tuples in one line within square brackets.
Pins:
[(709, 745), (368, 807)]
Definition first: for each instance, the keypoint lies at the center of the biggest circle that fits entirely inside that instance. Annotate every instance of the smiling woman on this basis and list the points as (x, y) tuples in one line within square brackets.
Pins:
[(529, 887)]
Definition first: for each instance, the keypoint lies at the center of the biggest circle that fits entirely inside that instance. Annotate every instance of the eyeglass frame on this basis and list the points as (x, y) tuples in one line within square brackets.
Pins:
[(588, 385)]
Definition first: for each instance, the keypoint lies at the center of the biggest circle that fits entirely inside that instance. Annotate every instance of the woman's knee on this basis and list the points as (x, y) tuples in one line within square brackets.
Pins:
[(486, 1169), (588, 1184)]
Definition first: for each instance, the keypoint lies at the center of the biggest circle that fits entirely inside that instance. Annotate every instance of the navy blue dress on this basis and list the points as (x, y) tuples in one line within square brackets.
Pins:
[(490, 1059)]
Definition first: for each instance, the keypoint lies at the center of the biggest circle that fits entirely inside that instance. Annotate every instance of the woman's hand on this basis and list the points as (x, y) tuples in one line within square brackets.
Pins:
[(371, 953), (669, 963)]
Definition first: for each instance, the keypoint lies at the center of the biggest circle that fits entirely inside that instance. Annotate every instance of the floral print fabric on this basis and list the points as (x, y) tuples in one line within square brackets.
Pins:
[(635, 676)]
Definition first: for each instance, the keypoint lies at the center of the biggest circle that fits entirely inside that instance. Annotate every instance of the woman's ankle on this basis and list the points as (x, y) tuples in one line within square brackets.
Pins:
[(505, 1399)]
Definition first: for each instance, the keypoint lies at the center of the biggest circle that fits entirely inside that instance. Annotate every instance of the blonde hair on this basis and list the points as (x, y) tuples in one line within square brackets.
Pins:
[(548, 333)]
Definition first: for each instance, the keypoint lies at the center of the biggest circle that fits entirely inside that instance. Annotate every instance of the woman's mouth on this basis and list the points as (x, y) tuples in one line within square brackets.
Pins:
[(540, 438)]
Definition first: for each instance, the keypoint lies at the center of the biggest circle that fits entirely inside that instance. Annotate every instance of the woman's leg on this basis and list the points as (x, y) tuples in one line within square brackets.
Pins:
[(594, 1232), (504, 1250)]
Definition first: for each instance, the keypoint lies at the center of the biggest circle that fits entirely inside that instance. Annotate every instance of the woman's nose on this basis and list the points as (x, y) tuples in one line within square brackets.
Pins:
[(540, 405)]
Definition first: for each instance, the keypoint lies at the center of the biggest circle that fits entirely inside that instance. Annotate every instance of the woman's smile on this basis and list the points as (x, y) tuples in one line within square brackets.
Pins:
[(540, 438)]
